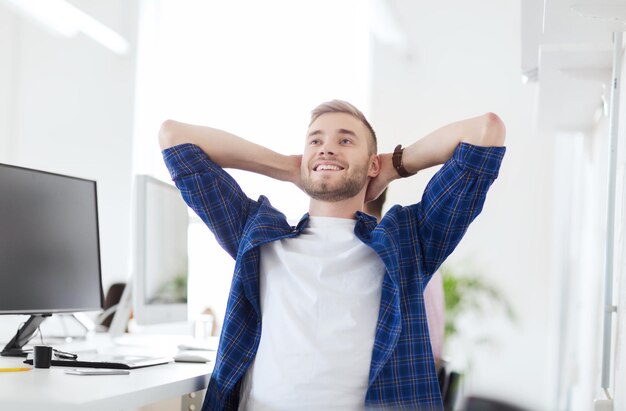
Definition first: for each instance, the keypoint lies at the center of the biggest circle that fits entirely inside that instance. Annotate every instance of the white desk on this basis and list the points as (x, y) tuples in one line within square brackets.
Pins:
[(52, 389)]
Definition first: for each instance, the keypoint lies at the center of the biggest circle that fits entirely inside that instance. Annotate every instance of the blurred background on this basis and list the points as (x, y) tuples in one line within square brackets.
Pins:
[(85, 85)]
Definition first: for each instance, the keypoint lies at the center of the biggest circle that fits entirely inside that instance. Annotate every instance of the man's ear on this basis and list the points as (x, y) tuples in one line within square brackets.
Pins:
[(374, 166)]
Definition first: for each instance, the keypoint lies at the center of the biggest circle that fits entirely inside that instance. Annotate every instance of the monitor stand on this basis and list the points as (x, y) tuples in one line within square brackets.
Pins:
[(85, 324), (22, 336)]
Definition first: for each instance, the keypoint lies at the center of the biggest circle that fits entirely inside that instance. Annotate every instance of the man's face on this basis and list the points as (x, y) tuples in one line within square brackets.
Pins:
[(336, 162)]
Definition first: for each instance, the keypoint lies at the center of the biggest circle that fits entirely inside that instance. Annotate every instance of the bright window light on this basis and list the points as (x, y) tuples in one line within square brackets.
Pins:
[(64, 19)]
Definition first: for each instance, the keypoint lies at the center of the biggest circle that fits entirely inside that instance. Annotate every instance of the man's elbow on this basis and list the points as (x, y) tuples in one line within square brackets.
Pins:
[(494, 131), (168, 134)]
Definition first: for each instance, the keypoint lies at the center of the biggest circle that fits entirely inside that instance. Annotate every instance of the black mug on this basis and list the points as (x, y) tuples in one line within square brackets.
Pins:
[(42, 356)]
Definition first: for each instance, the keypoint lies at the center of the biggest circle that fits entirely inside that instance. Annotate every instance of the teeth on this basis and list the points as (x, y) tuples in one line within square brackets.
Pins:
[(327, 167)]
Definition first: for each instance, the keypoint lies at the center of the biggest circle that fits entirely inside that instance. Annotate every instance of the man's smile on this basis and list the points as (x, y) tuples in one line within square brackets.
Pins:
[(327, 166)]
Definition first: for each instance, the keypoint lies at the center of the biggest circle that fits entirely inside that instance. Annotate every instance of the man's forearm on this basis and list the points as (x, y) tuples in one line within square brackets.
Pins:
[(438, 146), (231, 151)]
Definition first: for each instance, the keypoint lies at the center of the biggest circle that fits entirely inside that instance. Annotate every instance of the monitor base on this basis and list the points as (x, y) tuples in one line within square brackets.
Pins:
[(15, 352), (22, 336)]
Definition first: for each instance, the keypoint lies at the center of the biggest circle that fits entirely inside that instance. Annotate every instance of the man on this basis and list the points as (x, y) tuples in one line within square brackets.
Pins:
[(329, 314)]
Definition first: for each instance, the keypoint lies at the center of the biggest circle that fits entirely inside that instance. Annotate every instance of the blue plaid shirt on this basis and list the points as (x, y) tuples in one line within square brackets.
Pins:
[(412, 242)]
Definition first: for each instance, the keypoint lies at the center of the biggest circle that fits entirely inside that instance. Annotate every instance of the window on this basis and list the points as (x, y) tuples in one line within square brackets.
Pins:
[(255, 69)]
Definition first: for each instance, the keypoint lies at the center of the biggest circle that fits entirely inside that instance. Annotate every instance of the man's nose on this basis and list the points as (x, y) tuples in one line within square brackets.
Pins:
[(327, 149)]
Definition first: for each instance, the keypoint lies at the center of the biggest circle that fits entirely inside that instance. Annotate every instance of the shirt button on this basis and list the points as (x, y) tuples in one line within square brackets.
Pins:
[(246, 359)]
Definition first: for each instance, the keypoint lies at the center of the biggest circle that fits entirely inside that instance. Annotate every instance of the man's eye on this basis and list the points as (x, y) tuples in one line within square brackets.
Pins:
[(314, 141), (346, 141)]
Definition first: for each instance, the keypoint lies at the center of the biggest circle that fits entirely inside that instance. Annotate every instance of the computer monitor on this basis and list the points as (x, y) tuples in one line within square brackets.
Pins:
[(49, 248), (161, 255)]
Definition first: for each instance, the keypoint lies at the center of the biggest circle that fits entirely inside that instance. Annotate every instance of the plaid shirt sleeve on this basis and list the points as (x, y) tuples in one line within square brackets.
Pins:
[(211, 192), (453, 199)]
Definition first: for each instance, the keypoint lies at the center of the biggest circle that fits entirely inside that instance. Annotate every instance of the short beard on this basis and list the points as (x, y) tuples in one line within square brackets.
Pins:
[(350, 188)]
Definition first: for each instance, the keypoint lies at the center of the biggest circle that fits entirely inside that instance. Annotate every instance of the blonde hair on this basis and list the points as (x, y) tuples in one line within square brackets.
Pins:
[(340, 106)]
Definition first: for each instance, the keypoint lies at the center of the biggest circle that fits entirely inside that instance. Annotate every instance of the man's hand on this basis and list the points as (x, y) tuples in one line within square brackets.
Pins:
[(295, 174), (378, 184)]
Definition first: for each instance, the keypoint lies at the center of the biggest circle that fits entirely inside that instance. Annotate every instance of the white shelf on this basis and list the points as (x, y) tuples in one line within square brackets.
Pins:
[(602, 11), (567, 47)]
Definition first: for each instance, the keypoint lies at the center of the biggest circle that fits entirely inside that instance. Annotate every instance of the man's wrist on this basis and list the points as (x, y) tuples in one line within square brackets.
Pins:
[(388, 172)]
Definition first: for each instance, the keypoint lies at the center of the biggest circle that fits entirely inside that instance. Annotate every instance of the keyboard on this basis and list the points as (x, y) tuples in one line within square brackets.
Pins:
[(121, 362)]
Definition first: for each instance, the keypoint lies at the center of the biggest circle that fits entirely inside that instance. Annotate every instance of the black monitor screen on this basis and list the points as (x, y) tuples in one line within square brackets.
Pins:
[(49, 246)]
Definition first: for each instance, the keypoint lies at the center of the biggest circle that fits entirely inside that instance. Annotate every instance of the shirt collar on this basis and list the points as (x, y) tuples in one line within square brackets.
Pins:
[(367, 219), (362, 220)]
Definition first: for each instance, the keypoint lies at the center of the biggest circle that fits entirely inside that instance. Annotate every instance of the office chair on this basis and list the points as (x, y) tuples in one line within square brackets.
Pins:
[(114, 294), (449, 384), (485, 404)]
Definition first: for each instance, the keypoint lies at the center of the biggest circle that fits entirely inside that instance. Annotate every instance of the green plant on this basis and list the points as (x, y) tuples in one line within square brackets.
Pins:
[(467, 293), (173, 291)]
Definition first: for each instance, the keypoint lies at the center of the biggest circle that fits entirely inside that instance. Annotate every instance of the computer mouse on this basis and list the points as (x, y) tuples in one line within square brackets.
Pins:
[(191, 357)]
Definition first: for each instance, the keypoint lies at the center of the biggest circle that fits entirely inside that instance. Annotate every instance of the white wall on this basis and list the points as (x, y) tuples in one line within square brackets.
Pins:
[(582, 272), (8, 54), (583, 158), (66, 106), (465, 61)]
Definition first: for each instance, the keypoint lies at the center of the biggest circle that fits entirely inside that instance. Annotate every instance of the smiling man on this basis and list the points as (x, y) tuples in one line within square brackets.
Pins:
[(329, 314)]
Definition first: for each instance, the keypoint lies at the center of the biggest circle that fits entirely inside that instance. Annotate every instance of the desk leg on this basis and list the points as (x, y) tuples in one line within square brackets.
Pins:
[(192, 401)]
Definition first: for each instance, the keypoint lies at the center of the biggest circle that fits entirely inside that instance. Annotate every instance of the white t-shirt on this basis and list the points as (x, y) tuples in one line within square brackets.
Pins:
[(320, 297)]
